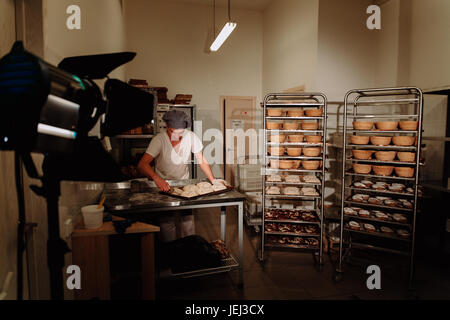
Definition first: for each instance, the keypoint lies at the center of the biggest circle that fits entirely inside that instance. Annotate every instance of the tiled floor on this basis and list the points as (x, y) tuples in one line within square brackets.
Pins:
[(290, 275)]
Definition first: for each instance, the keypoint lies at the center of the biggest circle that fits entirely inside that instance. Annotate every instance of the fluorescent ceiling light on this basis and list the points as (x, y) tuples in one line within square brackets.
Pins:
[(223, 35)]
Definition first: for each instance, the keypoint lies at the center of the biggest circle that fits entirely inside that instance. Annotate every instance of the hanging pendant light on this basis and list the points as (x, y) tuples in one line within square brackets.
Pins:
[(226, 30)]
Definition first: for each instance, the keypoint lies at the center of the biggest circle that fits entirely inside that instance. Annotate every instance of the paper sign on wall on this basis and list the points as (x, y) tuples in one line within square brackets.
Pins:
[(237, 124)]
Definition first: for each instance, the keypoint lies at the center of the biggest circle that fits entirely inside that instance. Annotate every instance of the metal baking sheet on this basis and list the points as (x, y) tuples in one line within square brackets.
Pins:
[(196, 197)]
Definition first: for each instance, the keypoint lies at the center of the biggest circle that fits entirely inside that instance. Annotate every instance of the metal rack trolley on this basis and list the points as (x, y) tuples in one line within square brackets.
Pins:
[(411, 98), (289, 101)]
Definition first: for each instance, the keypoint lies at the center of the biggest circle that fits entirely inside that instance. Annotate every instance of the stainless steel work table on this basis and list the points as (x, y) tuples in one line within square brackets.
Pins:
[(123, 198)]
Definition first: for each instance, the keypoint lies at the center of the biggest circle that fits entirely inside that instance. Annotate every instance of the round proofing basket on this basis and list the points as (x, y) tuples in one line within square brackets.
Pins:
[(295, 138), (270, 125), (275, 112), (314, 112), (276, 151), (362, 154), (406, 156), (290, 125), (275, 164), (294, 152), (359, 139), (404, 141), (310, 164), (380, 141), (312, 152), (362, 168), (385, 155), (362, 125), (313, 139), (408, 125), (286, 164), (386, 125), (383, 170), (277, 138), (404, 172), (295, 113), (310, 125)]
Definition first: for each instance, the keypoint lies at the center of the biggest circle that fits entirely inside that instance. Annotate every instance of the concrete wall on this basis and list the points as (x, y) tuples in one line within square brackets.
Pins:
[(290, 34)]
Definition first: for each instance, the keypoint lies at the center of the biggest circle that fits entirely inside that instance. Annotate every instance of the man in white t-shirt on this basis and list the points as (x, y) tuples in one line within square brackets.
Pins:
[(171, 151)]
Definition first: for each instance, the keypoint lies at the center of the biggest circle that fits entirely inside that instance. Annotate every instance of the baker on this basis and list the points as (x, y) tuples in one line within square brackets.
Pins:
[(171, 150)]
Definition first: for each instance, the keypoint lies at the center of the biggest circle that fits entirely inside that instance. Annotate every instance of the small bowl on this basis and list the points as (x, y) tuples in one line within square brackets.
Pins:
[(310, 125), (310, 164), (286, 164), (295, 113), (275, 112), (380, 141), (404, 141), (362, 168), (290, 125), (404, 172), (385, 155), (362, 154), (359, 139), (313, 139), (406, 156), (383, 170), (276, 151), (273, 125), (362, 125), (277, 138), (314, 112), (294, 152), (386, 125), (408, 125), (295, 138), (312, 152)]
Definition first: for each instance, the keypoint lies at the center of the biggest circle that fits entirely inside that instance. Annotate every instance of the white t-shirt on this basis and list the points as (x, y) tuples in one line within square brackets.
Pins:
[(170, 162)]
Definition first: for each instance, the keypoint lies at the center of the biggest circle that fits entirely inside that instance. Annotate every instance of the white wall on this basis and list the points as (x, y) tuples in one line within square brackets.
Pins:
[(430, 43), (290, 45), (102, 30), (345, 48), (171, 41)]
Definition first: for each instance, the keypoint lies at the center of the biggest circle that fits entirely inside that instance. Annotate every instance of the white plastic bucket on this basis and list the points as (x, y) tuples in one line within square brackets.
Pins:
[(93, 217)]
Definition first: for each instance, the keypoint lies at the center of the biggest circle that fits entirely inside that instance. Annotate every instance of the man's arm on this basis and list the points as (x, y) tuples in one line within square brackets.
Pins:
[(145, 168), (204, 165)]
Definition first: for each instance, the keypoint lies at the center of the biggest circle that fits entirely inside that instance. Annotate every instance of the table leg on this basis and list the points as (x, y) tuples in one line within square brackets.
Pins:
[(241, 242), (91, 254), (223, 223), (148, 266)]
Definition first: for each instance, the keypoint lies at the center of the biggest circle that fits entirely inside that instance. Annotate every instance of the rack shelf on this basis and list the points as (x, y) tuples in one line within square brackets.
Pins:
[(359, 104), (282, 101)]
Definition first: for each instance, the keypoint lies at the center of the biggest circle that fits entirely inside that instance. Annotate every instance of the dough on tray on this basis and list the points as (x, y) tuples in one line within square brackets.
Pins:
[(191, 188), (294, 191), (189, 194), (274, 178), (177, 191), (292, 179), (218, 187), (204, 185)]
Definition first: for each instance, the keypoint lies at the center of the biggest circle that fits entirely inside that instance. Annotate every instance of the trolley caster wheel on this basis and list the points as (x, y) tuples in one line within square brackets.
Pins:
[(338, 277)]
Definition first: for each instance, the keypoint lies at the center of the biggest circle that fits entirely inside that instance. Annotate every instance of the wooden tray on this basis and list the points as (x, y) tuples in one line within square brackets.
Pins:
[(201, 195)]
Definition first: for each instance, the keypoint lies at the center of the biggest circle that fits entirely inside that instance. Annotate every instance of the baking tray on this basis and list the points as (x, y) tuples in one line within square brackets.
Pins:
[(196, 197)]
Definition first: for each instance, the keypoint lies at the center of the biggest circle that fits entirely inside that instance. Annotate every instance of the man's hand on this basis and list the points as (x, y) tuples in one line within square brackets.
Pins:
[(221, 181), (161, 183)]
